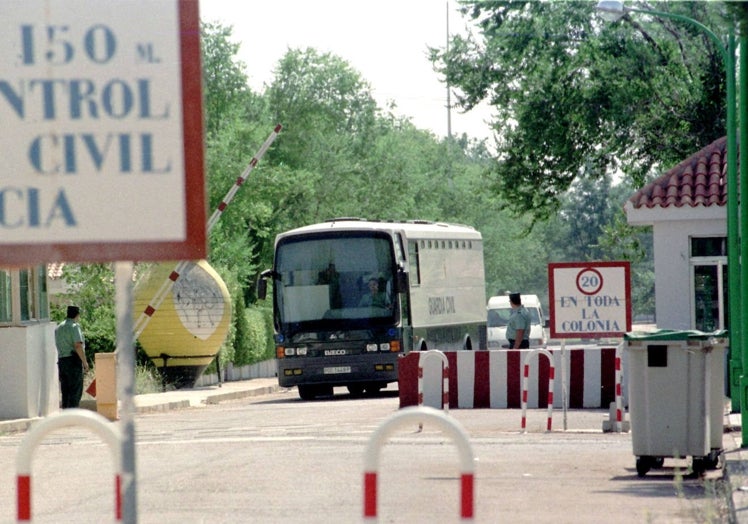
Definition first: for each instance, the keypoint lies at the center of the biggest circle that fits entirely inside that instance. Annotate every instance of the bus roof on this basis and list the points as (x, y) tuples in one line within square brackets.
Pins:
[(411, 228)]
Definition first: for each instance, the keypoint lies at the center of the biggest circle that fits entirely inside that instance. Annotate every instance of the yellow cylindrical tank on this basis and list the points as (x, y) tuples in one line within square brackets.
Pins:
[(188, 328)]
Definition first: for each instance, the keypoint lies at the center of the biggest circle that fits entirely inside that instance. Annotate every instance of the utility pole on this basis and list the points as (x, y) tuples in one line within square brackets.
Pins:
[(449, 96)]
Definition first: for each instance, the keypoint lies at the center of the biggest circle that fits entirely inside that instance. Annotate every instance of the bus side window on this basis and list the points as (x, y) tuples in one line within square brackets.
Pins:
[(413, 255)]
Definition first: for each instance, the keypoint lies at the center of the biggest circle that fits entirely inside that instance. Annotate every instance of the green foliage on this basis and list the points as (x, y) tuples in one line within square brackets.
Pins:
[(259, 335), (228, 351), (237, 123), (224, 78), (573, 96), (147, 380), (90, 287)]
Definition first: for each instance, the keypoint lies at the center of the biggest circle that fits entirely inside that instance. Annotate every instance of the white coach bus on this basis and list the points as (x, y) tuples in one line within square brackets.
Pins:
[(351, 296)]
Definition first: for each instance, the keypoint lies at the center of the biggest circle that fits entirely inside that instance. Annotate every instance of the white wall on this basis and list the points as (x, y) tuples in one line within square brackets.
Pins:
[(28, 371), (672, 231)]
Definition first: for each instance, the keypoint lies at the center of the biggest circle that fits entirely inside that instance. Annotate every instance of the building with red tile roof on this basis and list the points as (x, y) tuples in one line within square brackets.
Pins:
[(687, 210)]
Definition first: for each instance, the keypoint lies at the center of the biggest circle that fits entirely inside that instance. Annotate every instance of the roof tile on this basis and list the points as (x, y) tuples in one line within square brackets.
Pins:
[(699, 180)]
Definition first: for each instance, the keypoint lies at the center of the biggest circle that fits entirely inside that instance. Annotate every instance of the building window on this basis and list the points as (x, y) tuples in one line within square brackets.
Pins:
[(23, 295), (41, 292), (27, 295), (709, 247), (709, 289), (6, 298)]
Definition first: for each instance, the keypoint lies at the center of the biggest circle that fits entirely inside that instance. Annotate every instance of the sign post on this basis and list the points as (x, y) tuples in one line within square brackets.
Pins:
[(103, 154), (588, 300)]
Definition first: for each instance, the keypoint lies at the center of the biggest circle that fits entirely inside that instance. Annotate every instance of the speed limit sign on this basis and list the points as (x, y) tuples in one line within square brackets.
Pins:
[(589, 299)]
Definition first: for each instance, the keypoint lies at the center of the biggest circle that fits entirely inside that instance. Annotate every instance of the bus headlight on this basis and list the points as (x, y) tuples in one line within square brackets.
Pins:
[(371, 347), (301, 351), (289, 352), (385, 346)]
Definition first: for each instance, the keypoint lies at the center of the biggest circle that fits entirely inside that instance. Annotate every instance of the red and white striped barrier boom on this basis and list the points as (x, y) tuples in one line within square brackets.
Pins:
[(167, 285), (165, 288)]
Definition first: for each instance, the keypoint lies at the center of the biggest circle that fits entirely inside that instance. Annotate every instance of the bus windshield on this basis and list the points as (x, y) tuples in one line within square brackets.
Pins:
[(321, 280)]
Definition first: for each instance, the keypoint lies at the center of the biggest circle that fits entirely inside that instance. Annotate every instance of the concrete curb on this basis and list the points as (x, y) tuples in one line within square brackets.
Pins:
[(235, 395), (171, 400), (17, 426)]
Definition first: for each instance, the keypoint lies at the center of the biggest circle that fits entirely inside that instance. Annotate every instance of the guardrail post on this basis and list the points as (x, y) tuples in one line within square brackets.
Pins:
[(70, 417), (525, 377), (405, 417)]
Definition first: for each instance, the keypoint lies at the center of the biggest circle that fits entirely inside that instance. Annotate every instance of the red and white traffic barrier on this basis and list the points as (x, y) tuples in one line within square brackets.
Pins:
[(71, 417), (493, 378), (423, 358), (410, 416)]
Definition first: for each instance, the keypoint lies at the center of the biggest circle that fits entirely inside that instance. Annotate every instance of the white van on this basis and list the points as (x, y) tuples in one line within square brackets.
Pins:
[(499, 311)]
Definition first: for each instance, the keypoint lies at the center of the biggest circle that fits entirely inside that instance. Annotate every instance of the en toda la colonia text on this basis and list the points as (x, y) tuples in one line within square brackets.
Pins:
[(593, 314)]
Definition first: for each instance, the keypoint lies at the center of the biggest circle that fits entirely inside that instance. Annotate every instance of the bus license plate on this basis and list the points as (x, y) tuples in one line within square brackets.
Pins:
[(337, 369)]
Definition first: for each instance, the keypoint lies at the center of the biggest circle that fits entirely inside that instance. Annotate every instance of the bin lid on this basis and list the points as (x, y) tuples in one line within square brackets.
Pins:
[(671, 334)]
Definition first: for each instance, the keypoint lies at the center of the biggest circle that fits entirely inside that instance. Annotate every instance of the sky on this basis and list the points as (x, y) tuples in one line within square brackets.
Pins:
[(386, 41)]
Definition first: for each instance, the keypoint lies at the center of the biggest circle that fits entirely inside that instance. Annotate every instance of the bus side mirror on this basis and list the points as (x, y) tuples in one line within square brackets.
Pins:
[(262, 284)]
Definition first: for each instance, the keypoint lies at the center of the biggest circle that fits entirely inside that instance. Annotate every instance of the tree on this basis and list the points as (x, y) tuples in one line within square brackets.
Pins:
[(225, 86), (569, 91), (327, 108), (237, 123), (587, 208)]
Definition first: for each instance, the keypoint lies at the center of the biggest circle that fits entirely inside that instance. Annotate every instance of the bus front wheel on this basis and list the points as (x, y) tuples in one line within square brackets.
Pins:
[(307, 392), (311, 392)]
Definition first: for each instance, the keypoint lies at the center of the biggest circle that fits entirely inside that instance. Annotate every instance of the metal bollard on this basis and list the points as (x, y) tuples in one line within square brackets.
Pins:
[(71, 417), (403, 418), (551, 374), (422, 358)]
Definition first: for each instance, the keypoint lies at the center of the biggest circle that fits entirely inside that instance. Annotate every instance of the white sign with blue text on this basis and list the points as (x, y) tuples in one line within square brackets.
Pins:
[(589, 299), (101, 136)]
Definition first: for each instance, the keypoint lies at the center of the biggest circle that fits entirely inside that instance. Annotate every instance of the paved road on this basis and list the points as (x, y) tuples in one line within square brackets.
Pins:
[(278, 459)]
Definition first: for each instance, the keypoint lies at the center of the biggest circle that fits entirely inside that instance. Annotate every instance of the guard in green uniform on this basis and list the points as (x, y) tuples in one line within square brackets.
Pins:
[(518, 327), (71, 358)]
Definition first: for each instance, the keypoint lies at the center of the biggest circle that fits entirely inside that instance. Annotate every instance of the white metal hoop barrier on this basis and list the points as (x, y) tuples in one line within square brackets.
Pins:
[(71, 417), (405, 417), (423, 357), (525, 378)]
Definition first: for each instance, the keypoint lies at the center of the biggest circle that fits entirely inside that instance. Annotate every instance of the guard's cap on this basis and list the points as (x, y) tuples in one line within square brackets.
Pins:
[(73, 311)]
